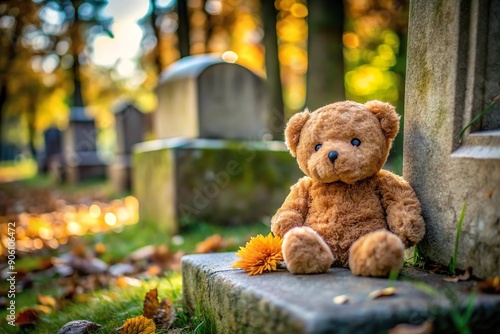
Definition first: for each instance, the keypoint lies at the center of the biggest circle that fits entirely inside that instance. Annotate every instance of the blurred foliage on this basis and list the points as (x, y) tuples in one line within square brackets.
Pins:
[(119, 47)]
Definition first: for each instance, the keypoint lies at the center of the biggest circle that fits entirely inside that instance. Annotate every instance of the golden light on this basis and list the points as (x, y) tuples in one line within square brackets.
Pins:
[(45, 233), (38, 243), (229, 56), (110, 218), (350, 40), (94, 211), (299, 10), (74, 228)]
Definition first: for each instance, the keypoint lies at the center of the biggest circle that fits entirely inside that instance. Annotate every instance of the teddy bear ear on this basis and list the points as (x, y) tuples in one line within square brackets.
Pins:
[(387, 116), (293, 129)]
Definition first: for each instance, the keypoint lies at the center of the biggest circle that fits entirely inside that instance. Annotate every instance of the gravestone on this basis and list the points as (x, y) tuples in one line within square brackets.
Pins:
[(130, 129), (51, 153), (80, 158), (228, 182), (205, 97), (453, 75), (201, 170)]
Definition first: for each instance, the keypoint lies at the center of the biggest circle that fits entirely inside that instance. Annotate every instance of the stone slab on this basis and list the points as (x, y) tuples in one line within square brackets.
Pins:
[(280, 302)]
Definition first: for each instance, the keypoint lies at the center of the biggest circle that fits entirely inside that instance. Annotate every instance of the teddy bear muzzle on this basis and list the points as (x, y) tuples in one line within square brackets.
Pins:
[(333, 155)]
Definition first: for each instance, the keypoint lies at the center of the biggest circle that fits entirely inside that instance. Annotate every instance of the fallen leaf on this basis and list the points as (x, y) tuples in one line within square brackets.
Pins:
[(165, 315), (79, 327), (342, 299), (490, 285), (137, 325), (150, 304), (212, 244), (464, 277), (424, 328), (391, 291), (27, 317), (124, 281), (47, 300), (44, 309), (99, 248)]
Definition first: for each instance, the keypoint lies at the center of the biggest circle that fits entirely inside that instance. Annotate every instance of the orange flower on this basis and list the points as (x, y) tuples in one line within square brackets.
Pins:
[(260, 254)]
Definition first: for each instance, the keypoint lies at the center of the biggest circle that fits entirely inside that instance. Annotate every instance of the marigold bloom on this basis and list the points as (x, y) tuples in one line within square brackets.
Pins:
[(260, 254)]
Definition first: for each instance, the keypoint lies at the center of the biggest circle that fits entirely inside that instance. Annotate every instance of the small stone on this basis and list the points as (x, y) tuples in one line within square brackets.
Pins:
[(342, 299), (79, 327), (391, 291)]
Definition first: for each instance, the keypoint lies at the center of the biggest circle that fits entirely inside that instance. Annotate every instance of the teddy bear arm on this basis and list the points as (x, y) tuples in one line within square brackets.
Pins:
[(294, 210), (402, 208)]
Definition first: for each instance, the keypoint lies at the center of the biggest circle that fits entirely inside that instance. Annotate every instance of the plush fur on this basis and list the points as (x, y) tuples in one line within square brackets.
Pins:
[(347, 212)]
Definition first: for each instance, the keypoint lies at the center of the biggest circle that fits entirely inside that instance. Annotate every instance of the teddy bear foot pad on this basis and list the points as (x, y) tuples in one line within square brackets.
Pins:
[(280, 302)]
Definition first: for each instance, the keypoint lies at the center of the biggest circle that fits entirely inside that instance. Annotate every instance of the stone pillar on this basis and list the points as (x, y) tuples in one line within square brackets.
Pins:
[(453, 74), (129, 126)]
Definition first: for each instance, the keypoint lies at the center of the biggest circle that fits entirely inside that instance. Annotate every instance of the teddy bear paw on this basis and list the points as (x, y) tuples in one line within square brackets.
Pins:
[(376, 254), (305, 252)]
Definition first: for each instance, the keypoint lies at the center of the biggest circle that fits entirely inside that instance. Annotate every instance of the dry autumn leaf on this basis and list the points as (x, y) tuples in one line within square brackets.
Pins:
[(391, 291), (27, 317), (212, 244), (163, 313), (137, 325), (150, 304), (47, 300), (424, 328), (464, 277), (490, 285)]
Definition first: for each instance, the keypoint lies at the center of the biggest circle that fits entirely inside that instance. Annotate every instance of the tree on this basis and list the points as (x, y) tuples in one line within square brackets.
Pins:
[(325, 75), (269, 14), (183, 29)]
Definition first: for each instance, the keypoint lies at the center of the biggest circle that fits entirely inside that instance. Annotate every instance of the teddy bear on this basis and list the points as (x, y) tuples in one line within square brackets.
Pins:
[(347, 211)]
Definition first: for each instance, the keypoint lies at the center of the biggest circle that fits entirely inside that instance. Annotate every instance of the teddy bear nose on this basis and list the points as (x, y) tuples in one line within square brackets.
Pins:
[(333, 155)]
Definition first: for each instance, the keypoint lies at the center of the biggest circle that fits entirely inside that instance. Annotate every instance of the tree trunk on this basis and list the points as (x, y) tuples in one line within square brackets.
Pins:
[(325, 76), (276, 105), (75, 51), (183, 29), (157, 49)]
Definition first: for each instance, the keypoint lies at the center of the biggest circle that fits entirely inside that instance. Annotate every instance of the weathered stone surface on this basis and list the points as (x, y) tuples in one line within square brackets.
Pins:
[(203, 96), (280, 302), (130, 129), (79, 327), (80, 158), (219, 181), (451, 76)]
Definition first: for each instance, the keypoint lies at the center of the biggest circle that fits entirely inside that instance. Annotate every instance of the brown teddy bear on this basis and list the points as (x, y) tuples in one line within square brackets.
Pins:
[(346, 211)]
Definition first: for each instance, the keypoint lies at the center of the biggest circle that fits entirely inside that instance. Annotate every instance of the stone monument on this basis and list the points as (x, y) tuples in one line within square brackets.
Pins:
[(201, 170), (453, 75)]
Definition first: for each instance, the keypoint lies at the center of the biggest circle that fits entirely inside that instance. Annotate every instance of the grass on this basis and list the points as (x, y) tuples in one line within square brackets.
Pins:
[(111, 307), (453, 260), (479, 116)]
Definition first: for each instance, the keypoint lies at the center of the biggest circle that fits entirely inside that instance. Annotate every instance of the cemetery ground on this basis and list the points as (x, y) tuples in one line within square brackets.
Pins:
[(68, 269), (82, 253)]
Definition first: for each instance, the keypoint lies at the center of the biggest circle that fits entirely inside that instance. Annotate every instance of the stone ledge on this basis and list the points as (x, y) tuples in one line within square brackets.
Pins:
[(280, 302)]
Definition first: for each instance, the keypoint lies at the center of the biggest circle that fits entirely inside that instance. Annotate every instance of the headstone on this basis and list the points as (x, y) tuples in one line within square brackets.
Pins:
[(130, 128), (205, 97), (51, 153), (453, 75), (81, 160), (180, 180)]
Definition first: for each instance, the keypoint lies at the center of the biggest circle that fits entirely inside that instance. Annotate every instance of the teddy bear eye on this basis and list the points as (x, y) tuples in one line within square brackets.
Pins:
[(317, 147), (356, 142)]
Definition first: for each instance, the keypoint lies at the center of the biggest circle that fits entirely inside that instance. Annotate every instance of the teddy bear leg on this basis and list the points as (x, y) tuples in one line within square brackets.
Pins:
[(376, 254), (305, 252)]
